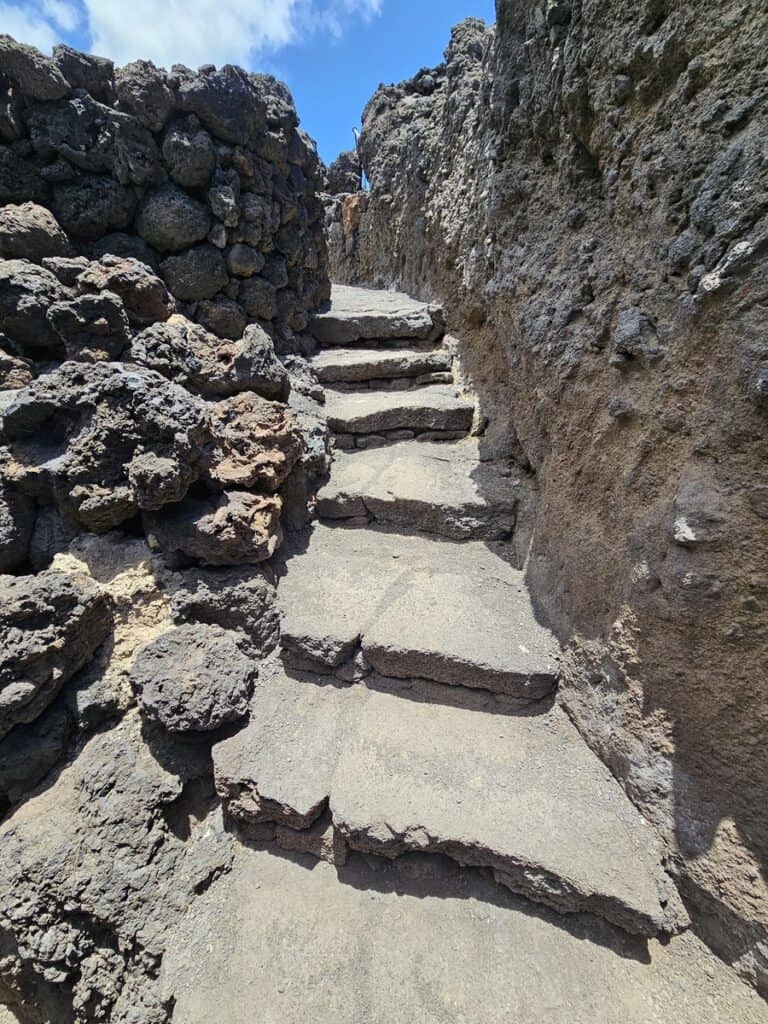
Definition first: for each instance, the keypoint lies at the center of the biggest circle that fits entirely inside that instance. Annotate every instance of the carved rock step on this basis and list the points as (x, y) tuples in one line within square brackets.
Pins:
[(357, 365), (421, 942), (416, 607), (357, 314), (279, 767), (520, 793), (435, 407), (437, 488)]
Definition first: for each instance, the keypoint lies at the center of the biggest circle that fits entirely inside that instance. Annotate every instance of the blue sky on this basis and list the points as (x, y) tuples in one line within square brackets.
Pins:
[(332, 53)]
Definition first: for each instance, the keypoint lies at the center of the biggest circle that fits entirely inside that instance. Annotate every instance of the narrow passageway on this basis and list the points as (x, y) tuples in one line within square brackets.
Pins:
[(412, 715)]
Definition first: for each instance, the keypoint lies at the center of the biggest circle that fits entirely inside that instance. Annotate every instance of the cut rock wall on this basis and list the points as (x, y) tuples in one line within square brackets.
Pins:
[(584, 188)]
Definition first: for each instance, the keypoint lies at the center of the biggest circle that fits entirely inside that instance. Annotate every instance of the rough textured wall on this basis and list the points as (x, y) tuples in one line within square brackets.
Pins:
[(586, 188), (139, 401), (205, 176), (161, 246)]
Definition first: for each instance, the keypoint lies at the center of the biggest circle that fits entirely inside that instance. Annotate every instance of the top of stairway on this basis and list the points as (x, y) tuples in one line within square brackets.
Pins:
[(357, 314)]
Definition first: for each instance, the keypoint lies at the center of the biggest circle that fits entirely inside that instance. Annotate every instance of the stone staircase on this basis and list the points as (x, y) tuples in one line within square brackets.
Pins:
[(408, 742)]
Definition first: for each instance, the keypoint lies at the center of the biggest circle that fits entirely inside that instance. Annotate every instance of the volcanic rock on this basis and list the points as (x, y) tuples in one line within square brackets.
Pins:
[(170, 220), (256, 443), (103, 441), (92, 327), (235, 528), (51, 624), (30, 232), (194, 679), (144, 295), (26, 293)]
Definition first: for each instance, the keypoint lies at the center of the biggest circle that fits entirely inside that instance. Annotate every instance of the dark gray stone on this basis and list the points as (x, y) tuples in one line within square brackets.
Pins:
[(29, 752), (119, 243), (50, 626), (85, 71), (26, 292), (187, 353), (243, 599), (244, 260), (30, 232), (258, 297), (227, 103), (35, 75), (144, 295), (222, 316), (93, 206), (102, 441), (194, 678), (233, 528), (169, 220), (198, 273), (66, 268), (143, 92), (17, 517), (189, 153), (92, 327)]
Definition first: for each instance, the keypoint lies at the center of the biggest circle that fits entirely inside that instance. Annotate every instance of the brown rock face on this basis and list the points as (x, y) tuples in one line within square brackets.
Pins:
[(235, 528), (572, 187), (255, 444)]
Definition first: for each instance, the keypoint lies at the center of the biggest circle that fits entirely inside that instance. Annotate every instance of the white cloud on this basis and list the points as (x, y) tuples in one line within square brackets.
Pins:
[(195, 32), (191, 32), (332, 16), (64, 16), (27, 25)]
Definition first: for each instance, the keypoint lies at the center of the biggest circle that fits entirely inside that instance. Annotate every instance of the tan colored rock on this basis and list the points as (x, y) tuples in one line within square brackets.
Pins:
[(255, 443), (234, 528)]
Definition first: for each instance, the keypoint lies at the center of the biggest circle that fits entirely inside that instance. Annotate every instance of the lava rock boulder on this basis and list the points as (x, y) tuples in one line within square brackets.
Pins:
[(194, 678)]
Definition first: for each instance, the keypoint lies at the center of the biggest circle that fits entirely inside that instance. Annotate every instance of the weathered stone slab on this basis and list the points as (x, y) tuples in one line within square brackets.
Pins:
[(435, 407), (421, 941), (439, 488), (453, 613), (363, 313), (520, 793), (279, 767), (356, 365)]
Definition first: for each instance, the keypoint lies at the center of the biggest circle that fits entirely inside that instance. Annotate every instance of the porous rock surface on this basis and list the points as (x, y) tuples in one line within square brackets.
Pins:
[(583, 187), (161, 245), (51, 626), (193, 679), (151, 222), (184, 739)]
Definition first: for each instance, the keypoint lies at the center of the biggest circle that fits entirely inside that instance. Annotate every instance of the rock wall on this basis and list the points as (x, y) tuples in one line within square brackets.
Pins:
[(204, 176), (161, 249), (162, 243), (584, 187)]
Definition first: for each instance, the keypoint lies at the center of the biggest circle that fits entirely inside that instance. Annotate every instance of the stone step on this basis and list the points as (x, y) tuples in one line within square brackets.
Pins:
[(413, 606), (360, 314), (356, 366), (437, 407), (419, 941), (514, 791), (438, 488)]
